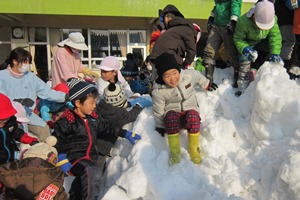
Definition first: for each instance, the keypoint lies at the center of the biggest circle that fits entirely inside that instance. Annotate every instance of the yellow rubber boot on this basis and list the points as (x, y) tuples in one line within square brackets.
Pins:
[(174, 146), (194, 150)]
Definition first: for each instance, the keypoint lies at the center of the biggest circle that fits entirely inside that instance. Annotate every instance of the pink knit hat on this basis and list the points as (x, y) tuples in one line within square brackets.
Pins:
[(264, 14)]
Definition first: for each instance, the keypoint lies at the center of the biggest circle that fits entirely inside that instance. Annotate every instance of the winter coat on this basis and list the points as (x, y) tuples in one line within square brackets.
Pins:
[(32, 178), (66, 64), (8, 135), (225, 10), (248, 34), (284, 14), (77, 137), (180, 98), (28, 86), (297, 21), (121, 116), (179, 39)]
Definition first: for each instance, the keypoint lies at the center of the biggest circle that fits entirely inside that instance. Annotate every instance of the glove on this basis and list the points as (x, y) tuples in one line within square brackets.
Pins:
[(211, 86), (50, 124), (276, 59), (141, 101), (25, 102), (132, 137), (231, 27), (63, 163), (250, 54), (70, 105), (210, 23), (26, 139), (161, 131)]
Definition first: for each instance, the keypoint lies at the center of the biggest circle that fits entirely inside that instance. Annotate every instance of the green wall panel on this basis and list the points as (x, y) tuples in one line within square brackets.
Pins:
[(131, 8)]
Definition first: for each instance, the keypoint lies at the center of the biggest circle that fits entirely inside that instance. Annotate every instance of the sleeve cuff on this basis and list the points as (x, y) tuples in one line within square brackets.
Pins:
[(233, 17)]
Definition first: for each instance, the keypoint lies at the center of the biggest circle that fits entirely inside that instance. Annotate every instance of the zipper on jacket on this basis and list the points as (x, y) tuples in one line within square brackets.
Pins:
[(5, 147), (182, 97)]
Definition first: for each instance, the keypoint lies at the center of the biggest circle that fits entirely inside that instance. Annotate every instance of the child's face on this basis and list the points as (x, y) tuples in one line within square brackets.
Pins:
[(171, 77), (87, 107), (108, 75), (3, 122)]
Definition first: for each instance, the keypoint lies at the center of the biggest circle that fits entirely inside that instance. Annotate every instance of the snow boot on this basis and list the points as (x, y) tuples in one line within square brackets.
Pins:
[(174, 146), (194, 150)]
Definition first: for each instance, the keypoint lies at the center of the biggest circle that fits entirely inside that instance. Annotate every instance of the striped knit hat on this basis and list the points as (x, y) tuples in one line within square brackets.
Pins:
[(115, 95), (78, 89)]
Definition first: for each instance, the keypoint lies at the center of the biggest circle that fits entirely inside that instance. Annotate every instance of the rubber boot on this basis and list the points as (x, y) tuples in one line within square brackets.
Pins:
[(209, 72), (174, 146), (243, 80), (194, 150)]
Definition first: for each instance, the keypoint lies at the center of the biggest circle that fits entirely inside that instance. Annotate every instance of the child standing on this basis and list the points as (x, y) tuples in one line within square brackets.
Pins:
[(110, 73), (10, 132), (175, 104), (76, 132)]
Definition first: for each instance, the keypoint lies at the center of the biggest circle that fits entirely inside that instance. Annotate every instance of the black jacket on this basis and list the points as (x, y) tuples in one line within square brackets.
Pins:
[(119, 115), (8, 135), (77, 137), (285, 16), (179, 39)]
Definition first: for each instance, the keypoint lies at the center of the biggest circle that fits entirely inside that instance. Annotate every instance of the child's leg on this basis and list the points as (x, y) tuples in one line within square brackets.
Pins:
[(87, 181), (40, 132)]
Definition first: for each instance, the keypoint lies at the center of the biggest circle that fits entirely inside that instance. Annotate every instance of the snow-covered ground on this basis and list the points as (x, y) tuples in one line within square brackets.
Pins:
[(250, 147)]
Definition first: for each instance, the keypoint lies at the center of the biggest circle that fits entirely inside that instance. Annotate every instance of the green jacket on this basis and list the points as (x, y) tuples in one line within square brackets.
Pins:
[(225, 10), (248, 34)]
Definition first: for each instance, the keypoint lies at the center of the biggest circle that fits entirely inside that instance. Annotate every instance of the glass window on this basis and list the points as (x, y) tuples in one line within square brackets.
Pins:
[(99, 43), (37, 35), (137, 37), (118, 43)]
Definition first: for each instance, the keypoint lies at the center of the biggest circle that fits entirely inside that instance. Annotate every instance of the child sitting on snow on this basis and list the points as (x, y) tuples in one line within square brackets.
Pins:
[(175, 104)]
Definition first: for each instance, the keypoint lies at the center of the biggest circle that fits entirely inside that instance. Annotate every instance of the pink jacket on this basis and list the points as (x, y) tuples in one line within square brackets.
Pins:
[(65, 65)]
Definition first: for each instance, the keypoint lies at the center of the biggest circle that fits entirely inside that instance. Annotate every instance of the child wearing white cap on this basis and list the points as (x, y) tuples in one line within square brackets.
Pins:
[(110, 73), (257, 35)]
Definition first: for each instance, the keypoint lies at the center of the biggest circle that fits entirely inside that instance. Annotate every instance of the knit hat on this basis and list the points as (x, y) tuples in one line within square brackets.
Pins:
[(111, 63), (75, 40), (78, 89), (62, 87), (21, 112), (163, 63), (44, 150), (130, 69), (264, 14), (115, 95), (6, 108)]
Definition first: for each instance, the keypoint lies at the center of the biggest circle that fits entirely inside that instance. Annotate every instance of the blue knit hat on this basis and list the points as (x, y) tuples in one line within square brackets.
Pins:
[(78, 89), (129, 69)]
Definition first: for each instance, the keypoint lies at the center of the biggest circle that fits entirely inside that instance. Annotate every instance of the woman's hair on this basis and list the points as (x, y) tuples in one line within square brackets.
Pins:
[(19, 54)]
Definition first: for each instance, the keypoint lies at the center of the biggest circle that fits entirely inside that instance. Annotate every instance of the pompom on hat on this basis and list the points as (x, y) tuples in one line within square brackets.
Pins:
[(6, 108), (78, 89), (115, 95), (44, 150), (21, 112), (163, 63), (75, 40)]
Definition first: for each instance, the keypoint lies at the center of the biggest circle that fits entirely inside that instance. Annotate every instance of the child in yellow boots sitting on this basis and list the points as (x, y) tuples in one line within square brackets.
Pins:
[(175, 104)]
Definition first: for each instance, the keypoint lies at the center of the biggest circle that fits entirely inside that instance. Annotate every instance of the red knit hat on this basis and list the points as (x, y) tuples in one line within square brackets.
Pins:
[(62, 87), (6, 108)]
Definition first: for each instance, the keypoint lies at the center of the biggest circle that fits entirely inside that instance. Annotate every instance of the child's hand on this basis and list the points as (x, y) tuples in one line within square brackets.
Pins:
[(26, 139), (63, 163)]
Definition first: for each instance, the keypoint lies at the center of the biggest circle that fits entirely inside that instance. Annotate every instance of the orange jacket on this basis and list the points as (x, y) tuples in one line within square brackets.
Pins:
[(297, 21)]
